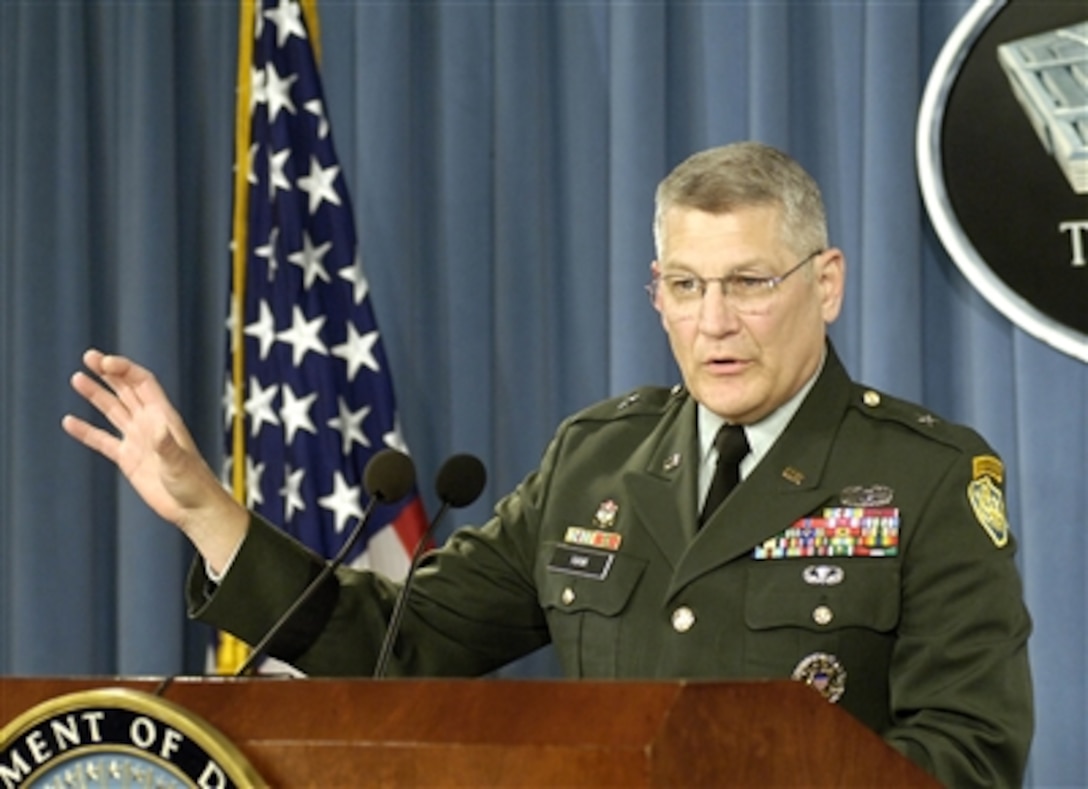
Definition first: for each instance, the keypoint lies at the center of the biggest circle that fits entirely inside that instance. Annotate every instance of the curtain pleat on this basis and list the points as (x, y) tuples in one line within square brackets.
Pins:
[(501, 159)]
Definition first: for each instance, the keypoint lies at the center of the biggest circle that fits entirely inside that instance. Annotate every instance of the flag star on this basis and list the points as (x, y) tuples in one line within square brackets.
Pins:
[(276, 176), (343, 502), (302, 336), (258, 88), (232, 324), (268, 252), (259, 405), (258, 26), (299, 294), (264, 329), (315, 107), (350, 424), (295, 413), (393, 439), (278, 92), (287, 19), (251, 174), (292, 492), (309, 260), (319, 184), (254, 471), (354, 274), (230, 409), (358, 351)]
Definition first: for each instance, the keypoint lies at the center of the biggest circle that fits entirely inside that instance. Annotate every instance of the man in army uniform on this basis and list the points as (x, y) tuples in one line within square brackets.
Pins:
[(865, 552)]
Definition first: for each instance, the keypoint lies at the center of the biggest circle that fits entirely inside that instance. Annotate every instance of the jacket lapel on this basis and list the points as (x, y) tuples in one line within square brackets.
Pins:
[(661, 482)]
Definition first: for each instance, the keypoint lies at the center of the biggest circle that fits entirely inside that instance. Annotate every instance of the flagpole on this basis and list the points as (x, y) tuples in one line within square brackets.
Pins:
[(230, 652)]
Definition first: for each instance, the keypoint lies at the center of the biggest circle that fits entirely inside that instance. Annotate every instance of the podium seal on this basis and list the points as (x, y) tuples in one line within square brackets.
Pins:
[(116, 737)]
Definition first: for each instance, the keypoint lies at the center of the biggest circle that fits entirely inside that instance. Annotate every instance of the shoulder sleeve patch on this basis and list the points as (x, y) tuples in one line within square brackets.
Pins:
[(986, 498)]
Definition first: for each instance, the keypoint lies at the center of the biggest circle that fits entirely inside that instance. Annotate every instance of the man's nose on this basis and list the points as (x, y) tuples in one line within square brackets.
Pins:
[(717, 315)]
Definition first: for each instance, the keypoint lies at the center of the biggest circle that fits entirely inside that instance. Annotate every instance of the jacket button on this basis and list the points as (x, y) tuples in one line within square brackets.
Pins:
[(683, 619), (567, 596), (822, 615)]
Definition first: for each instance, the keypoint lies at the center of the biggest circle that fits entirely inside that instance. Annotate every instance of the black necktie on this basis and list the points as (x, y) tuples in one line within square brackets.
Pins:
[(732, 446)]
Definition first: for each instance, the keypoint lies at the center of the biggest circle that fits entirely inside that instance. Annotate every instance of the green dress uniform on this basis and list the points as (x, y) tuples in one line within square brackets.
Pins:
[(867, 554)]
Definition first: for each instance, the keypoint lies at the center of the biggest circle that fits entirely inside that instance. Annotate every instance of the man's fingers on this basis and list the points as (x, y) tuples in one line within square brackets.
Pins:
[(90, 436), (124, 391), (92, 358), (133, 385), (126, 379), (102, 399)]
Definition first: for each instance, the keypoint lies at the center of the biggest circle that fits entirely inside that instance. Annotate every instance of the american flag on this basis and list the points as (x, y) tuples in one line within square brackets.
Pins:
[(308, 397)]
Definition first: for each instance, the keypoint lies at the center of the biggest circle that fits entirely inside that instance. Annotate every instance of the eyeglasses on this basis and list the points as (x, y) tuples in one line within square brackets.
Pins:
[(746, 294)]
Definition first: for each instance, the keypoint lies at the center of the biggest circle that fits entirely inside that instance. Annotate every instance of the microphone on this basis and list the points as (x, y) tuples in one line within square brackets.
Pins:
[(459, 483), (388, 477)]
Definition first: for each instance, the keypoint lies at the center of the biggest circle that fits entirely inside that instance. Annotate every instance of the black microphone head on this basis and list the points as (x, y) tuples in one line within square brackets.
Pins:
[(389, 476), (460, 480)]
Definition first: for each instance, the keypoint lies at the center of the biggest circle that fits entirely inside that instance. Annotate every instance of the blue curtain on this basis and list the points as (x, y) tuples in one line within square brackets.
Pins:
[(502, 158)]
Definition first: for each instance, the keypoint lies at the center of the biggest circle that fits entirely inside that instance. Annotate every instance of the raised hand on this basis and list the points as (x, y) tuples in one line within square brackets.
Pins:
[(155, 451)]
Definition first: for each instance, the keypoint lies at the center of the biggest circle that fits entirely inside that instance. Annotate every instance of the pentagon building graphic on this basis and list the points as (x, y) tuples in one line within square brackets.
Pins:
[(1049, 75)]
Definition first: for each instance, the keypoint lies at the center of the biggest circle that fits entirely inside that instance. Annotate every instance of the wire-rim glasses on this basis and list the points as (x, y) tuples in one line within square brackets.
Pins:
[(745, 293)]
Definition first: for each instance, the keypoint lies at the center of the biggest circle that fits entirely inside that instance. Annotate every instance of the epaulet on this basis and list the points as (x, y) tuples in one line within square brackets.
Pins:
[(643, 401), (984, 490), (878, 405)]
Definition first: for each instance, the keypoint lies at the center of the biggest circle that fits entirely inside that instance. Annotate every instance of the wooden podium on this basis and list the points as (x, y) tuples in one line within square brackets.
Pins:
[(325, 732)]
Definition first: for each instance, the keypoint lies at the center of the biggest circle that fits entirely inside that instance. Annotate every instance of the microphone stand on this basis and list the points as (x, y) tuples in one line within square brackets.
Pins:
[(398, 606)]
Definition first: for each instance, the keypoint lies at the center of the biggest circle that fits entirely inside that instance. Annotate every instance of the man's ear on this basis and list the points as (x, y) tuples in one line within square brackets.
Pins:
[(655, 272), (831, 281)]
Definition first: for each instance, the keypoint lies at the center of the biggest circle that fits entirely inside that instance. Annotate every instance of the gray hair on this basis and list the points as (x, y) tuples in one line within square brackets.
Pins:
[(742, 175)]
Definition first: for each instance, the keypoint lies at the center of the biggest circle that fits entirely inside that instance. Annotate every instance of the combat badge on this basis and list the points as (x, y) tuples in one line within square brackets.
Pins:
[(870, 496), (824, 673), (987, 500)]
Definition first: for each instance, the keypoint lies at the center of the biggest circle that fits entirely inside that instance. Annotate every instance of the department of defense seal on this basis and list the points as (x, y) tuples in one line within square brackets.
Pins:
[(115, 737)]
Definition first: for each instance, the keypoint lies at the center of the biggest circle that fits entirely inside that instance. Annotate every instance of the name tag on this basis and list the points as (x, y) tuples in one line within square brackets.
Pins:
[(580, 561)]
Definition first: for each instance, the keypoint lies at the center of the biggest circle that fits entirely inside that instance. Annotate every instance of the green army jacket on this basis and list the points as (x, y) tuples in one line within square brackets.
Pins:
[(922, 637)]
